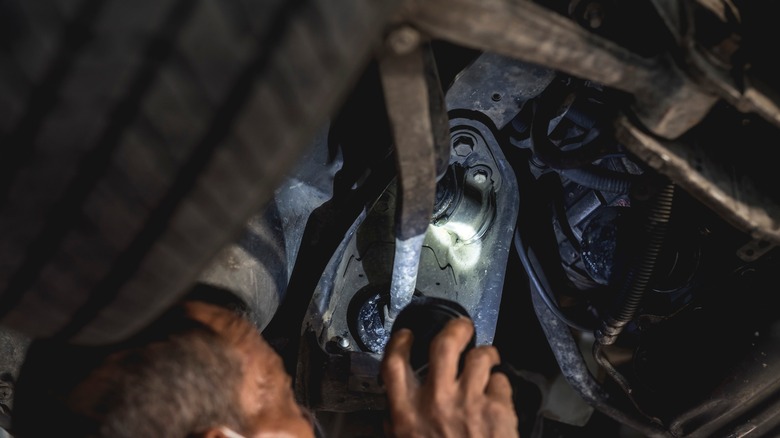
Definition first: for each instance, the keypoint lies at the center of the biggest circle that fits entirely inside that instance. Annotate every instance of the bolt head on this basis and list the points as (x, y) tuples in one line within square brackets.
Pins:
[(463, 145), (404, 40), (342, 342), (480, 177)]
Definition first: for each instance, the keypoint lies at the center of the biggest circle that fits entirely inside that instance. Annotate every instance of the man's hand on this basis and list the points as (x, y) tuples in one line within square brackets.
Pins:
[(477, 403)]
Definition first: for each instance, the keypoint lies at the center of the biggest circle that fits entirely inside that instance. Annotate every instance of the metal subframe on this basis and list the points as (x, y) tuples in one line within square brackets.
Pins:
[(471, 273)]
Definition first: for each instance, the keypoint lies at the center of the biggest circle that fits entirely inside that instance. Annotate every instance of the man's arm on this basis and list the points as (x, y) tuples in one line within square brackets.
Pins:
[(476, 403)]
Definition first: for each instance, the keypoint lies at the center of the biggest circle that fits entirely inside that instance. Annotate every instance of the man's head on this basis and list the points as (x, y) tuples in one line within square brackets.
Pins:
[(200, 370)]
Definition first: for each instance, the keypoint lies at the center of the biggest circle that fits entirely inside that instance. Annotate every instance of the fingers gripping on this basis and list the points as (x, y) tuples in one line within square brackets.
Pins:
[(499, 388), (477, 370), (445, 352), (476, 403), (396, 371)]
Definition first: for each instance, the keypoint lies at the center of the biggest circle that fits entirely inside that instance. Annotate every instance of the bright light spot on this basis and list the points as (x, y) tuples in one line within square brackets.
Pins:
[(455, 237), (464, 232), (441, 236)]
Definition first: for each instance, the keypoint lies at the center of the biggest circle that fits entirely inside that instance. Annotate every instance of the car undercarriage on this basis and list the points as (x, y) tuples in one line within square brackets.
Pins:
[(593, 182)]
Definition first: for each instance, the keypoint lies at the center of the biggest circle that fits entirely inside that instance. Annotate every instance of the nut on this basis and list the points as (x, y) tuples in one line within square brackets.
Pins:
[(463, 145)]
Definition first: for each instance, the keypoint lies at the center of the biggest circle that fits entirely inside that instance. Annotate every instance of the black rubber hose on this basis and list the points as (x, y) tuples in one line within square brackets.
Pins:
[(638, 278), (538, 284), (559, 209)]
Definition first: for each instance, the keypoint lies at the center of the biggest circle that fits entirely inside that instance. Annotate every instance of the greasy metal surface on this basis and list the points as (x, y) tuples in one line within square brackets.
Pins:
[(406, 263), (754, 249), (471, 273), (407, 88), (730, 82), (574, 369), (690, 166), (471, 211), (13, 347), (497, 86), (527, 31), (406, 96), (667, 101), (750, 95), (340, 381), (317, 236), (440, 121)]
